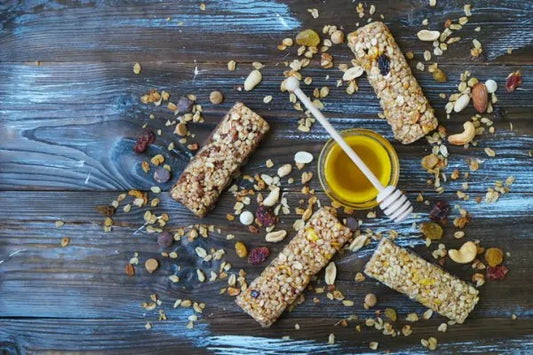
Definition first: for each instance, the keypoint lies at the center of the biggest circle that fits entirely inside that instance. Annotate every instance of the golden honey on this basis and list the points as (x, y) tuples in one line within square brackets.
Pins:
[(344, 182)]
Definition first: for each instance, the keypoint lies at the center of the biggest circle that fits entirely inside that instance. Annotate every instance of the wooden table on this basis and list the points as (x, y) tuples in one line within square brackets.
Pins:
[(70, 112)]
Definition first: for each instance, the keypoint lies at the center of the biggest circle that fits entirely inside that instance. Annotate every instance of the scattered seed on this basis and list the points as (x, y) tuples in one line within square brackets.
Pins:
[(275, 237), (253, 79), (371, 300), (151, 265), (331, 273), (352, 73), (246, 218), (216, 97), (65, 241), (137, 68)]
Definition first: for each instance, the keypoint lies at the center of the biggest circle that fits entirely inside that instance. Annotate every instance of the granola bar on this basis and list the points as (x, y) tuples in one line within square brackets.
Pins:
[(406, 108), (287, 276), (422, 281), (211, 170)]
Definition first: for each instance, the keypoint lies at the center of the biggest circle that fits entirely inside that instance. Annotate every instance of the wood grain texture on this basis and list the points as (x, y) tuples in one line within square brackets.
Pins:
[(68, 125)]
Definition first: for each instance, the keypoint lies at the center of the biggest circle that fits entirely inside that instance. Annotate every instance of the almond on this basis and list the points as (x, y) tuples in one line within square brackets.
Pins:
[(480, 97)]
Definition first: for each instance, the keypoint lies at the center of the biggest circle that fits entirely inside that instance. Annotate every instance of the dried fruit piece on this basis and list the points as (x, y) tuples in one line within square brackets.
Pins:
[(258, 255), (497, 272), (480, 97), (241, 250), (384, 64), (106, 210), (143, 141), (440, 212), (185, 104), (308, 38), (513, 81), (129, 269), (439, 75), (494, 256), (165, 239), (391, 314), (266, 216), (431, 230), (161, 175), (137, 68)]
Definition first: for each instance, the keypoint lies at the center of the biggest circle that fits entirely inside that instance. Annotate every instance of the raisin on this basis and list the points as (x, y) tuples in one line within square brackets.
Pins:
[(497, 272), (165, 239), (143, 141), (352, 223), (258, 255), (265, 215), (431, 230), (498, 113), (129, 269), (106, 210), (384, 64), (161, 175), (254, 293), (185, 104), (440, 212)]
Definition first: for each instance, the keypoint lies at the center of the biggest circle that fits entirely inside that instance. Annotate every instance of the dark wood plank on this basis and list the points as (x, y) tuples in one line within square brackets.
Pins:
[(76, 130), (68, 126), (139, 31), (169, 337), (88, 277)]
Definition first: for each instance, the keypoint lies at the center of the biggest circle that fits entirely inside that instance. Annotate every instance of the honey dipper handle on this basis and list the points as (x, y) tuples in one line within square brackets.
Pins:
[(292, 84)]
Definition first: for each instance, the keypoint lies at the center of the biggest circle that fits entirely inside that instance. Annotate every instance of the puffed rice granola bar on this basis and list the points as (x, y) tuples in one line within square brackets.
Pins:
[(212, 168), (406, 108), (422, 281), (287, 276)]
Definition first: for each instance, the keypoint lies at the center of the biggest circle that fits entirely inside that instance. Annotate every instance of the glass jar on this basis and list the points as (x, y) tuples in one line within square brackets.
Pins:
[(342, 180)]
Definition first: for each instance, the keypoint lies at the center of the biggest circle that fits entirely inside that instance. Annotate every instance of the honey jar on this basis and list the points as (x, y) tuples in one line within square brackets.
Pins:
[(342, 180)]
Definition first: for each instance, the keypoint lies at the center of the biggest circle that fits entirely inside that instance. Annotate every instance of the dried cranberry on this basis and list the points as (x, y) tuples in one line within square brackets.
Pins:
[(266, 216), (440, 212), (258, 255), (165, 239), (497, 272), (143, 141), (161, 175), (513, 81), (384, 64), (254, 293)]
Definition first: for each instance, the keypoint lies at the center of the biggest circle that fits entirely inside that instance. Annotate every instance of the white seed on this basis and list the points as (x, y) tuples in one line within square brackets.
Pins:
[(461, 103), (331, 273), (358, 243), (303, 157), (272, 198), (352, 73), (252, 80), (428, 36), (276, 236), (491, 86), (284, 170), (246, 218)]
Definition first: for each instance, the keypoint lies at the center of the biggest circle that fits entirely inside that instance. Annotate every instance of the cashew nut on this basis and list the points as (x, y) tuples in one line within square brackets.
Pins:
[(272, 197), (275, 237), (467, 253), (465, 137)]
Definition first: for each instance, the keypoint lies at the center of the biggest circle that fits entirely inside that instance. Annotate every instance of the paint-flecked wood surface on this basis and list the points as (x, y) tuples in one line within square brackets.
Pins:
[(68, 125)]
